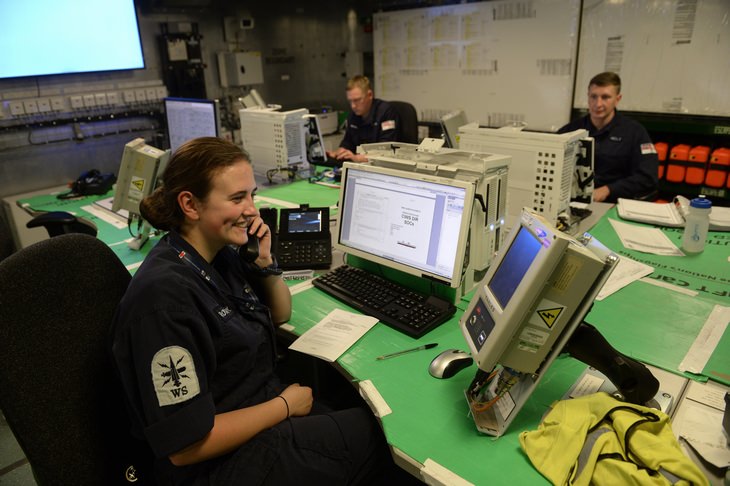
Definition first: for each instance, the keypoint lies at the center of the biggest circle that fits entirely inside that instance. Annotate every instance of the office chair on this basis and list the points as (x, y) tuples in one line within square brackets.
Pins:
[(61, 222), (58, 390), (408, 121)]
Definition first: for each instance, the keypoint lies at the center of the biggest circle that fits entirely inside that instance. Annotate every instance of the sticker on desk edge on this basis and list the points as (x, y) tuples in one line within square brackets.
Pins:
[(435, 474), (374, 399)]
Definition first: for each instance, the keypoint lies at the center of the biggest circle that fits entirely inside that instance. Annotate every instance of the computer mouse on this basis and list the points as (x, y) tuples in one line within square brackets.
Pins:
[(449, 362)]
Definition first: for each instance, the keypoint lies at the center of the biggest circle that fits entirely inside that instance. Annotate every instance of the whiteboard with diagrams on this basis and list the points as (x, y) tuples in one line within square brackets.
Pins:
[(502, 62), (673, 56)]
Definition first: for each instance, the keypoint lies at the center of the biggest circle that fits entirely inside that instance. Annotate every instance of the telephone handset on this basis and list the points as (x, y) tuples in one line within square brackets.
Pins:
[(250, 251)]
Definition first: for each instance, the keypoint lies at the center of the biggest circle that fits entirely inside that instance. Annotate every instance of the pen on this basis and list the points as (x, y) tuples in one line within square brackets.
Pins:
[(398, 353)]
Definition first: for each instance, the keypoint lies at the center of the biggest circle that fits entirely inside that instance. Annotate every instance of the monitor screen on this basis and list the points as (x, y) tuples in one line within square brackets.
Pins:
[(413, 222), (190, 118), (42, 37), (514, 266), (304, 221), (450, 124)]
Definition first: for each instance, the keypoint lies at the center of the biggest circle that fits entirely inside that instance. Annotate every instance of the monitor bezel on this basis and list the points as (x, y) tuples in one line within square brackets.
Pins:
[(459, 264), (201, 101)]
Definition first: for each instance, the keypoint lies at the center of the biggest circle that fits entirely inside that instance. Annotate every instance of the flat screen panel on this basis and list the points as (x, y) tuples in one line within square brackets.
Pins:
[(400, 219), (41, 37), (190, 118), (514, 266)]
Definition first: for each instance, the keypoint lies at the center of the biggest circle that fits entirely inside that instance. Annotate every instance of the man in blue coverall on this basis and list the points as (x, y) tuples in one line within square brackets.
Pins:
[(626, 163), (371, 120)]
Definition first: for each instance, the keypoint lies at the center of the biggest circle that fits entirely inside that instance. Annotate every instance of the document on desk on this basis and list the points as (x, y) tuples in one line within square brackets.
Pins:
[(644, 239), (333, 335), (624, 273)]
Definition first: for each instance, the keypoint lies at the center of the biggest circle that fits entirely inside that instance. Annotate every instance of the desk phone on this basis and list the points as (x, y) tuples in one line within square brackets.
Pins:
[(304, 240)]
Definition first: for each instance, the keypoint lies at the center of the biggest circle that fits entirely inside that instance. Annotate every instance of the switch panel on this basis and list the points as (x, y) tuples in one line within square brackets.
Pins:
[(44, 105), (31, 107), (57, 103), (77, 103), (112, 98), (16, 108)]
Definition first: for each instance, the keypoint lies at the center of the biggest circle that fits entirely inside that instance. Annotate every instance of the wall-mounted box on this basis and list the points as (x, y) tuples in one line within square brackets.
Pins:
[(240, 68)]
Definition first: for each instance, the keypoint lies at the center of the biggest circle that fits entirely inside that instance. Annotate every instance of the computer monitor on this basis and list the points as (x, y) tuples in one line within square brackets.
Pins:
[(536, 293), (487, 172), (139, 171), (450, 124), (548, 170), (189, 118), (415, 223)]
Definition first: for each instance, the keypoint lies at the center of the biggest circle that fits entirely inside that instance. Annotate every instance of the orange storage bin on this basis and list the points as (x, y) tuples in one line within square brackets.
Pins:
[(677, 165), (718, 168), (661, 152), (698, 157)]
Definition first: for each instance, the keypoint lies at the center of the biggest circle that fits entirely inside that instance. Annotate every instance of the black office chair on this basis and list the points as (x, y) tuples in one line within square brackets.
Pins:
[(58, 390), (61, 223), (408, 121)]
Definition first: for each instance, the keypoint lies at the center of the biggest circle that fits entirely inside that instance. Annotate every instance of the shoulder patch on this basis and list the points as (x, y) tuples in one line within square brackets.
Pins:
[(647, 148), (173, 375), (387, 125)]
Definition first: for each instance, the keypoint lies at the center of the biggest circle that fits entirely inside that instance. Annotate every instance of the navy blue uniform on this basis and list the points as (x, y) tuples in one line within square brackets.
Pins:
[(625, 158), (188, 348), (381, 124)]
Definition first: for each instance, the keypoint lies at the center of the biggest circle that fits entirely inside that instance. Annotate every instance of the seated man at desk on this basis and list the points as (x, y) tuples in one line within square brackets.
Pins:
[(371, 120), (626, 162)]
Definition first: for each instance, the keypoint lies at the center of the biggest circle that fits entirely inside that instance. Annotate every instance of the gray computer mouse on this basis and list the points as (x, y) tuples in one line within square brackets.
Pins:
[(449, 362)]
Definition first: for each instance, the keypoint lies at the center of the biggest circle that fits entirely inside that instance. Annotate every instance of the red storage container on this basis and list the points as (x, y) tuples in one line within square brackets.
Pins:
[(718, 168), (677, 165), (698, 157), (661, 151)]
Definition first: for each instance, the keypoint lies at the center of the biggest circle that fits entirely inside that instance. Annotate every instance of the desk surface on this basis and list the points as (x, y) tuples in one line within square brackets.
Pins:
[(429, 418)]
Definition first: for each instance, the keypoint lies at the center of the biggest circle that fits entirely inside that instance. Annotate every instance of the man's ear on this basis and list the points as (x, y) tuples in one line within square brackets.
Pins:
[(618, 97), (188, 204)]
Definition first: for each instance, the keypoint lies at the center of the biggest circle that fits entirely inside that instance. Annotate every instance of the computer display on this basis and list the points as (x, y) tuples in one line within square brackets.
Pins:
[(450, 124), (190, 118), (41, 37), (416, 223), (535, 294)]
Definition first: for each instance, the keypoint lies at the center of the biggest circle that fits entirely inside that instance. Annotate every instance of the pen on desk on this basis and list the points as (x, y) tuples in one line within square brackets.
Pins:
[(398, 353)]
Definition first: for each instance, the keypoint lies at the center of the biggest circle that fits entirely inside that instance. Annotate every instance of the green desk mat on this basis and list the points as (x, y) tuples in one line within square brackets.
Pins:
[(657, 325), (429, 417), (301, 192), (115, 238), (315, 195)]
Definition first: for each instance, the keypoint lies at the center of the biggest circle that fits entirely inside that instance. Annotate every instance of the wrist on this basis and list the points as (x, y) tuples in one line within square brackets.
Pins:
[(268, 270)]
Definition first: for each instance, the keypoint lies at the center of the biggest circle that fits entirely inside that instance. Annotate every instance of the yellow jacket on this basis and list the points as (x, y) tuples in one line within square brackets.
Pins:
[(596, 439)]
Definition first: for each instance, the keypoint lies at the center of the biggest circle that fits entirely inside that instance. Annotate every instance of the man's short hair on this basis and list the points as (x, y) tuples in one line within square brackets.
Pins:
[(359, 81), (606, 79)]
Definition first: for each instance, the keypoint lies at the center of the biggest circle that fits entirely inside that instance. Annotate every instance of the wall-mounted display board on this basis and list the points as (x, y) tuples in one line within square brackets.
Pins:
[(673, 55), (502, 62)]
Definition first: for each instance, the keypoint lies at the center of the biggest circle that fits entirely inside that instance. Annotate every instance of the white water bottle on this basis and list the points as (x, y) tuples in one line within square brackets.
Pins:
[(696, 225)]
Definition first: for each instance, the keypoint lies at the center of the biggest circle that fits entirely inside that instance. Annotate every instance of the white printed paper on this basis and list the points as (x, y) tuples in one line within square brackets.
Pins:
[(644, 239), (333, 335)]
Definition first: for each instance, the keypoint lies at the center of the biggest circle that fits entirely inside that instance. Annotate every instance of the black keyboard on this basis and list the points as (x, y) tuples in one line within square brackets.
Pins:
[(395, 305)]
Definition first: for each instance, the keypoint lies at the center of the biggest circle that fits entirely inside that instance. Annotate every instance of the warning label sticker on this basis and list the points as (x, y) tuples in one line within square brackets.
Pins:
[(547, 313)]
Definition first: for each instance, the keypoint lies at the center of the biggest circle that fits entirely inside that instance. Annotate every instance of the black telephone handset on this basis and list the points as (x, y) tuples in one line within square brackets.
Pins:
[(250, 251)]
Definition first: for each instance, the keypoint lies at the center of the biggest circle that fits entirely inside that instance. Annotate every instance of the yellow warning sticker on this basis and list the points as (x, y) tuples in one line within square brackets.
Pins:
[(139, 184), (549, 316)]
